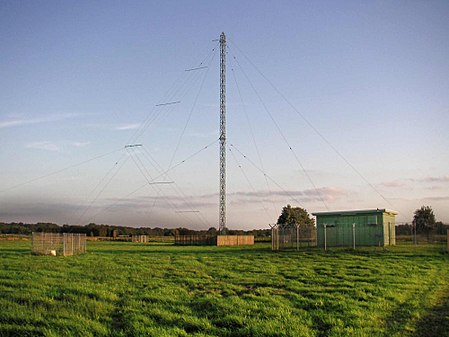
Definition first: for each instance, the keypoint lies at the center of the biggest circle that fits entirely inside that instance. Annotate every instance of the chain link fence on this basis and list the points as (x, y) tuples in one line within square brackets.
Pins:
[(292, 237), (56, 244)]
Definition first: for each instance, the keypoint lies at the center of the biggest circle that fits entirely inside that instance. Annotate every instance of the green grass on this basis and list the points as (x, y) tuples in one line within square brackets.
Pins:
[(125, 289)]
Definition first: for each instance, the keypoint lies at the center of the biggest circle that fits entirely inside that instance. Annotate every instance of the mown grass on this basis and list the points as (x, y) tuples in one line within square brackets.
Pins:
[(126, 289)]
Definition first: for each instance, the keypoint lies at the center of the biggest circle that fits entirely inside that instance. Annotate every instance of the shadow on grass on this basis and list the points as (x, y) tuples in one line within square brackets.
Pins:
[(436, 322)]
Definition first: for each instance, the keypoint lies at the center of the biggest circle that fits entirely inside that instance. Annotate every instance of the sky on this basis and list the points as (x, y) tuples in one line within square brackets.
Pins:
[(331, 105)]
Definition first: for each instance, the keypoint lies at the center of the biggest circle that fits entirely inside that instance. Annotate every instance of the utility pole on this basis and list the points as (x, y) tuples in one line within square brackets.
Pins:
[(222, 215)]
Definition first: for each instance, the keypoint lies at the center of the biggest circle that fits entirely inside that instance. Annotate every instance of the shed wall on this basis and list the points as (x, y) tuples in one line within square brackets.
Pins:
[(389, 229), (212, 240), (371, 229), (235, 240)]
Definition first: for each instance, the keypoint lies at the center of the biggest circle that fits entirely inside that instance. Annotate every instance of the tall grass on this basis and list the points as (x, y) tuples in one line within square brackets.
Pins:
[(126, 289)]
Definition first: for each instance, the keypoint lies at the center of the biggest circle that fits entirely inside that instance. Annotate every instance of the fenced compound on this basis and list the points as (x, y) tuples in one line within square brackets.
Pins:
[(195, 240), (66, 244), (408, 235), (214, 240), (140, 238), (284, 237)]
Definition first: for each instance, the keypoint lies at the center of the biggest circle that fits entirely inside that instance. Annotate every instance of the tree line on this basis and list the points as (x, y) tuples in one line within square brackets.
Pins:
[(102, 230), (424, 222)]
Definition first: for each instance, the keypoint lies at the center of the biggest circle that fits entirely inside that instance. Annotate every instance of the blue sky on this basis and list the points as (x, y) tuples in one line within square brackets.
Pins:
[(357, 89)]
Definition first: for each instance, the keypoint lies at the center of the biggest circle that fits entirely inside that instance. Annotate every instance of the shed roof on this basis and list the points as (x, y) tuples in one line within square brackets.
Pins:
[(358, 212)]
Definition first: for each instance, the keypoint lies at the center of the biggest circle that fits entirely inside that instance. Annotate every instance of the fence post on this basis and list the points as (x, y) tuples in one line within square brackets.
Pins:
[(414, 233), (353, 236), (297, 236), (276, 237), (325, 237)]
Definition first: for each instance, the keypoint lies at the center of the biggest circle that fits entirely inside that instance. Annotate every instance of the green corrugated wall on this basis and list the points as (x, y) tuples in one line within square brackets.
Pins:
[(371, 229)]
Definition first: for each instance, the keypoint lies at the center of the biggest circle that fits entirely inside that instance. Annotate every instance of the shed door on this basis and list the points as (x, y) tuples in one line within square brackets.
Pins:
[(332, 236)]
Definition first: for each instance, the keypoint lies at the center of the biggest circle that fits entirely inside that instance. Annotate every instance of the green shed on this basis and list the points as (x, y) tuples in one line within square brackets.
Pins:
[(370, 227)]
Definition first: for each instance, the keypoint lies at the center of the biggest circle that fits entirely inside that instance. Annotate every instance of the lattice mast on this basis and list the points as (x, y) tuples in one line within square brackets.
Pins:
[(222, 215)]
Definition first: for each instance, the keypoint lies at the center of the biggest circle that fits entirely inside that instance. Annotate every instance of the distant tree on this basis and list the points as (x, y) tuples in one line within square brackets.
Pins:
[(212, 231), (235, 232), (169, 232), (261, 232), (404, 229), (102, 230), (185, 231), (441, 228), (161, 232), (424, 220), (295, 215)]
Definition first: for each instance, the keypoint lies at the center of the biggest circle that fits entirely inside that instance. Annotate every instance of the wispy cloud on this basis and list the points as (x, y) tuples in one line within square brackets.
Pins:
[(392, 184), (21, 121), (207, 202), (404, 182), (79, 144), (176, 202), (430, 179), (44, 145), (16, 122), (443, 198), (125, 127), (329, 194), (441, 179)]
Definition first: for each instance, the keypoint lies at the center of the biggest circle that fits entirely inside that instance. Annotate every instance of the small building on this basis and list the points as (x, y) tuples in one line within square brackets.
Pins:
[(139, 238), (371, 227), (214, 240)]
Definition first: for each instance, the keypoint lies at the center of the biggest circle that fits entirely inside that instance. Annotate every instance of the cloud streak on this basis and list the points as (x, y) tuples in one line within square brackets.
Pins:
[(38, 120), (132, 126), (161, 210), (443, 198), (425, 180), (392, 184), (207, 201), (79, 144), (441, 179), (44, 145), (328, 194)]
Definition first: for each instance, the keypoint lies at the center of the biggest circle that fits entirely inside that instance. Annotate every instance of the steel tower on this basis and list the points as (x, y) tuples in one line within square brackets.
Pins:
[(222, 215)]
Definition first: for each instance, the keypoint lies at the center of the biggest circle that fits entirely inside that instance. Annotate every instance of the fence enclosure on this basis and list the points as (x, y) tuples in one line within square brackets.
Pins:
[(65, 244), (140, 238), (285, 237)]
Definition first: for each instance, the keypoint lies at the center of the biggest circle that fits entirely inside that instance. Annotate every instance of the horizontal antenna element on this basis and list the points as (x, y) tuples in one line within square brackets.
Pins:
[(197, 68), (169, 103), (133, 145), (161, 182)]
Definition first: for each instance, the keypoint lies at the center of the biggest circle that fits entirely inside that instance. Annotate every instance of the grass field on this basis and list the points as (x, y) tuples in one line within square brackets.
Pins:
[(125, 289)]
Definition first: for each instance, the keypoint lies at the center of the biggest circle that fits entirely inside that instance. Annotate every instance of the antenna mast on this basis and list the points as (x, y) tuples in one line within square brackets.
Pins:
[(222, 216)]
